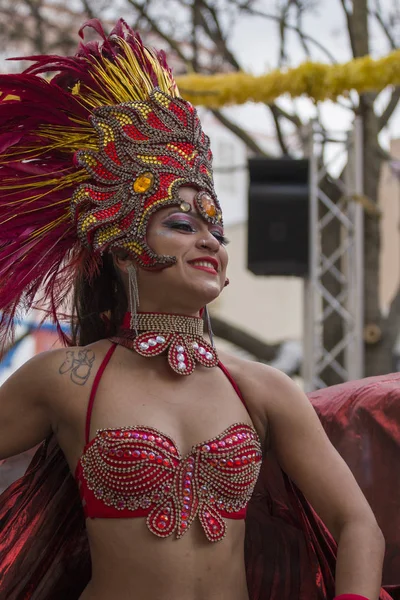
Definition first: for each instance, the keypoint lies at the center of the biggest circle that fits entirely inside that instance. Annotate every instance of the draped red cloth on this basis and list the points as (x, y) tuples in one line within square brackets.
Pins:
[(44, 553), (362, 419)]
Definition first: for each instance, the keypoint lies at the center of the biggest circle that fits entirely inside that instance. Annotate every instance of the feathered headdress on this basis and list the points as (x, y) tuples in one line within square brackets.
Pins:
[(86, 157)]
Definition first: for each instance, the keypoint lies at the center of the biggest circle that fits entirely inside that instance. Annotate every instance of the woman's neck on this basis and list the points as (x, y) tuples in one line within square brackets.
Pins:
[(175, 309)]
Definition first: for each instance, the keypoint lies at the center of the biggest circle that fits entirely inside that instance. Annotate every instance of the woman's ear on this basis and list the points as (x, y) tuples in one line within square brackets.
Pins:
[(122, 260)]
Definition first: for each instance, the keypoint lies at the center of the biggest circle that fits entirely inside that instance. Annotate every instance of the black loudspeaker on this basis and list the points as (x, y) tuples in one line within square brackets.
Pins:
[(278, 225)]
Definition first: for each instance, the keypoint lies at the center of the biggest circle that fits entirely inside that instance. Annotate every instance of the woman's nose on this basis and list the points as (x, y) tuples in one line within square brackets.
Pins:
[(208, 242)]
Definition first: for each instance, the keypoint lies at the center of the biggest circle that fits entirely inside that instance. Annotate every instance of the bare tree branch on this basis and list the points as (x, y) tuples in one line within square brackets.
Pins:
[(282, 33), (215, 33), (390, 108), (281, 138), (293, 118), (378, 14), (176, 46), (304, 42), (262, 351), (305, 37), (195, 41), (239, 132), (89, 10), (349, 26), (277, 113), (39, 37)]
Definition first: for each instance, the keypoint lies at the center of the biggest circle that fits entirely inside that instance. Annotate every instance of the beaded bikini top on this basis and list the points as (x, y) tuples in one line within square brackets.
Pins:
[(139, 472)]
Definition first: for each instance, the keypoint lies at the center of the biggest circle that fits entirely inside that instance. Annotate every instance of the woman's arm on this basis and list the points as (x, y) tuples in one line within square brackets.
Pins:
[(25, 418), (307, 456)]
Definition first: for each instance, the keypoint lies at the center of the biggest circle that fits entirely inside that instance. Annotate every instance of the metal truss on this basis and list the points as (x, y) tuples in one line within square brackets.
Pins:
[(344, 264)]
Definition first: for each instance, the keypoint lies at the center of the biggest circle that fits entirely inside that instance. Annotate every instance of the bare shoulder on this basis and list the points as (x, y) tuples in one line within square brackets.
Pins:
[(51, 371), (262, 386), (78, 364), (276, 403), (47, 394)]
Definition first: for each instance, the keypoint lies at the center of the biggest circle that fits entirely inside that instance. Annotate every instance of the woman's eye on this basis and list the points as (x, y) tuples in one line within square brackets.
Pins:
[(221, 238), (189, 228), (182, 226)]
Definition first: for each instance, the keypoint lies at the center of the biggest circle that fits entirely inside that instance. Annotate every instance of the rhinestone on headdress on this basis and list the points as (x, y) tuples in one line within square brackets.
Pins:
[(143, 183), (207, 207), (185, 207)]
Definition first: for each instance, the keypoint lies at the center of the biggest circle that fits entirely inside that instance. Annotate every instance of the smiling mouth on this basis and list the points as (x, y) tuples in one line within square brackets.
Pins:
[(204, 265)]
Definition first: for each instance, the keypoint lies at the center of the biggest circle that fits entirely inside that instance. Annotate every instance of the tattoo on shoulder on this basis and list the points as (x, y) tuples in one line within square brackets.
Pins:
[(78, 364)]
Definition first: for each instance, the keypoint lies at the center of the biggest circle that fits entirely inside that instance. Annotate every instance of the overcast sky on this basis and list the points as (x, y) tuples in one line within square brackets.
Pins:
[(255, 42)]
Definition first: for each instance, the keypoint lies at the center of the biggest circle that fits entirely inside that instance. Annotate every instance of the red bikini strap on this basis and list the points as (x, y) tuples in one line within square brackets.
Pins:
[(95, 385), (233, 382)]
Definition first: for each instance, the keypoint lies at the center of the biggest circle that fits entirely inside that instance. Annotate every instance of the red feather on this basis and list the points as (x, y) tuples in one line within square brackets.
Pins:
[(41, 123)]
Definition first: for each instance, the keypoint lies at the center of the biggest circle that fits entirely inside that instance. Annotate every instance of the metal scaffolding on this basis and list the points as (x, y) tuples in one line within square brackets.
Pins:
[(344, 264)]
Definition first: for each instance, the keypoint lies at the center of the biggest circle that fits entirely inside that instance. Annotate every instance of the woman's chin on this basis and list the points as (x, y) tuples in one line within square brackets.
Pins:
[(206, 293)]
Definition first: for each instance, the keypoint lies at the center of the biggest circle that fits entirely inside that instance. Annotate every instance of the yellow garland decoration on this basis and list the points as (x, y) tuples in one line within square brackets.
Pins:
[(318, 81)]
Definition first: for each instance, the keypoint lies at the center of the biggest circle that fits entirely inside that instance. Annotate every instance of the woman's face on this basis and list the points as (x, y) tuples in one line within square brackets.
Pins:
[(199, 274)]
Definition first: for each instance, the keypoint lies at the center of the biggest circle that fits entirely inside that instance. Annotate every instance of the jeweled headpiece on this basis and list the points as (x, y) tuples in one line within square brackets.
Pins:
[(147, 150), (86, 157)]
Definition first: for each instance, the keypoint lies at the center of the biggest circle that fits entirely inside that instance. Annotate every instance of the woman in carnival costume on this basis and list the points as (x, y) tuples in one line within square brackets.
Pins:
[(106, 188)]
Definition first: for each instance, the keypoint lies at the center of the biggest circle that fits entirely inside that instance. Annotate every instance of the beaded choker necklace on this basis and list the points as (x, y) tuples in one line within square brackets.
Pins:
[(180, 336)]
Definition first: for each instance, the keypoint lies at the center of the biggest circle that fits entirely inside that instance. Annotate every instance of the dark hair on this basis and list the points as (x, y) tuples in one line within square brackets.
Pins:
[(99, 304)]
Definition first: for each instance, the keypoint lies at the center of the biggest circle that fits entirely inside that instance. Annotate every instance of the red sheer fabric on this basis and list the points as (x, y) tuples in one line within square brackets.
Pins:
[(44, 553), (289, 554)]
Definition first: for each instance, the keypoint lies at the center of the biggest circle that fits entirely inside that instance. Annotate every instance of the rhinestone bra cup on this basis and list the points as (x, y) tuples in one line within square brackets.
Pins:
[(141, 470)]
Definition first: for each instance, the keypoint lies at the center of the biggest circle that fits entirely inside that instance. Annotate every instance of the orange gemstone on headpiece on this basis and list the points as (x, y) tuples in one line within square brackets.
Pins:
[(209, 206), (143, 183)]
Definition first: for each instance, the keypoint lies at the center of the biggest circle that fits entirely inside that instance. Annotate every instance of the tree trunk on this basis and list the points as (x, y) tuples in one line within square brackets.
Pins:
[(378, 351)]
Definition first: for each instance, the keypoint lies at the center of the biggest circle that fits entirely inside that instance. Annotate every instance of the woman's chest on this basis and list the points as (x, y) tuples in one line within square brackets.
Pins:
[(189, 410), (186, 411), (169, 449)]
